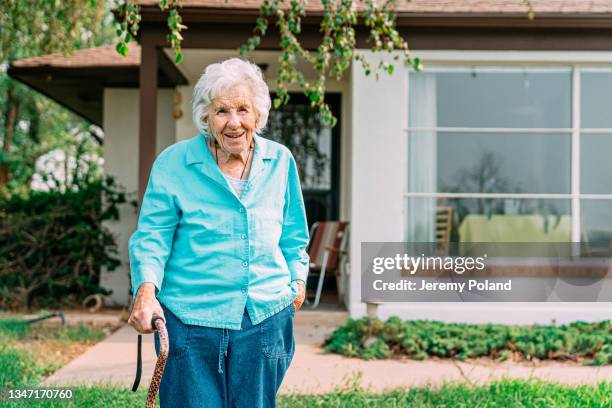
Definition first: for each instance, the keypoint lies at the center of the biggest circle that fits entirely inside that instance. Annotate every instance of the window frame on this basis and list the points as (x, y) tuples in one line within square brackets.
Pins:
[(573, 61)]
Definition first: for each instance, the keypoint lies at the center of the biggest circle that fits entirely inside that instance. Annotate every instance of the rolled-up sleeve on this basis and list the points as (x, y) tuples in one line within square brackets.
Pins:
[(294, 237), (150, 245)]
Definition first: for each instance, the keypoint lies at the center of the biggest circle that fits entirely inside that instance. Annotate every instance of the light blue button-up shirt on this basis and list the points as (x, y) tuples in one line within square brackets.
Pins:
[(210, 252)]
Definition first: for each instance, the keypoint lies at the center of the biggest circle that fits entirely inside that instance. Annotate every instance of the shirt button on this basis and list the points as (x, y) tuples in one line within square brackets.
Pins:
[(245, 263), (243, 290), (243, 236), (241, 209)]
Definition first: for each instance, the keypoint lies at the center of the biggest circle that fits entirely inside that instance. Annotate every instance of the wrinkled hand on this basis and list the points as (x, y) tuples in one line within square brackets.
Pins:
[(145, 306), (301, 296)]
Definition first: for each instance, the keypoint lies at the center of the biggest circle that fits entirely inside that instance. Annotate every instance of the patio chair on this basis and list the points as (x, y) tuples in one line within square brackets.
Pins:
[(443, 225), (328, 247), (444, 222)]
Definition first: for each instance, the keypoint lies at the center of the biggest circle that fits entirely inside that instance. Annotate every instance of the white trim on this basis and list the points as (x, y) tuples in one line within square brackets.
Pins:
[(491, 130), (595, 196), (598, 70), (575, 157), (519, 313), (492, 195), (524, 196), (594, 131), (550, 58), (497, 69)]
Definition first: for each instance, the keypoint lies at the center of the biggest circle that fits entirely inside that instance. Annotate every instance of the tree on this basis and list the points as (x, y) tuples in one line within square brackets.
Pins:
[(31, 124), (333, 57)]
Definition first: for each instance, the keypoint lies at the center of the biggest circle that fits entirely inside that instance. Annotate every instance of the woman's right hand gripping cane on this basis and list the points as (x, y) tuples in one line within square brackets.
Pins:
[(145, 307)]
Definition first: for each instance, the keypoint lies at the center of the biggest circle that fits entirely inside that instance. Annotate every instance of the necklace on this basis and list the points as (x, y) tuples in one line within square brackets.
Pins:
[(245, 163)]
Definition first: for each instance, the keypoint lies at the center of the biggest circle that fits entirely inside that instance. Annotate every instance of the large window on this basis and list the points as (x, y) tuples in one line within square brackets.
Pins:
[(514, 154)]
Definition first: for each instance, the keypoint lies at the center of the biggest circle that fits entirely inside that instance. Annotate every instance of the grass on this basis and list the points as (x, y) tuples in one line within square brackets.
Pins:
[(16, 330), (19, 367), (502, 394), (588, 343), (94, 397), (30, 352)]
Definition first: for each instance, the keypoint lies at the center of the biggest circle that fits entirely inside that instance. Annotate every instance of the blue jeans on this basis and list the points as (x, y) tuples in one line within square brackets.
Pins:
[(211, 367)]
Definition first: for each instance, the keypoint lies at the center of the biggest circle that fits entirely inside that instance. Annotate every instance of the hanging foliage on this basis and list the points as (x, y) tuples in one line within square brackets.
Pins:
[(332, 58)]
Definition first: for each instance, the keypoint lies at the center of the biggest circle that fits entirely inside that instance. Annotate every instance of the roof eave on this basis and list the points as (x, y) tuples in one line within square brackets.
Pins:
[(81, 88), (199, 14), (504, 20)]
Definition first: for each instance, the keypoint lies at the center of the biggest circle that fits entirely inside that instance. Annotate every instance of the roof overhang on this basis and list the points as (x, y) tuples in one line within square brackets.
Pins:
[(77, 81), (413, 14)]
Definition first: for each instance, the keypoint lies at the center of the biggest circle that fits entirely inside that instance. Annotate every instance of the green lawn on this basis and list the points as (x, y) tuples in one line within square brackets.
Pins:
[(29, 352), (21, 366), (502, 394)]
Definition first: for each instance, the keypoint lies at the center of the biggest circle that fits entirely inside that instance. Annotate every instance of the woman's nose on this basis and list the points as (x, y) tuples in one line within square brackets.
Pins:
[(233, 121)]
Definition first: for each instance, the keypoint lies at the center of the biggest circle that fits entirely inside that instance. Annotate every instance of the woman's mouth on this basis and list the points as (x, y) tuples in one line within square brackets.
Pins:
[(233, 135)]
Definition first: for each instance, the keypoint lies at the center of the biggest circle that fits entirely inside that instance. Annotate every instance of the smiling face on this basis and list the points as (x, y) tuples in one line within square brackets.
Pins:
[(232, 119)]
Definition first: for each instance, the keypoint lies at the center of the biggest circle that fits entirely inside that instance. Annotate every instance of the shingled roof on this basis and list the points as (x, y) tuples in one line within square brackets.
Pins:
[(435, 6), (104, 56)]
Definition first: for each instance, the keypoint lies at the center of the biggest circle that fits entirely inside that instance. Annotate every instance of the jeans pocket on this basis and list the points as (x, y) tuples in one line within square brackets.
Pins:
[(277, 339), (179, 336)]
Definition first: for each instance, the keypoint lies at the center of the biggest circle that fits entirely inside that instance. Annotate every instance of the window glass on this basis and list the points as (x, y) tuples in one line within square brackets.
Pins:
[(597, 223), (596, 99), (490, 97), (489, 163), (488, 220), (596, 164)]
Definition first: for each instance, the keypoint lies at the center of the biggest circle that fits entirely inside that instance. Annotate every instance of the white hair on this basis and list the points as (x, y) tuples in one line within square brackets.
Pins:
[(223, 76)]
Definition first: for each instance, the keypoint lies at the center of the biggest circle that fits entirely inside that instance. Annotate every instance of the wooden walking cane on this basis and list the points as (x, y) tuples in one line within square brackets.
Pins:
[(159, 325)]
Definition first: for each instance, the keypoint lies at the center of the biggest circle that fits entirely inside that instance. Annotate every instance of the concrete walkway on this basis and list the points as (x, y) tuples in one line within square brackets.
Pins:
[(313, 371)]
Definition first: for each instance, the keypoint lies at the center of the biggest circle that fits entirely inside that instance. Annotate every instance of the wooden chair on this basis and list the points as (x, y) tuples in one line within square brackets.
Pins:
[(443, 226), (328, 247)]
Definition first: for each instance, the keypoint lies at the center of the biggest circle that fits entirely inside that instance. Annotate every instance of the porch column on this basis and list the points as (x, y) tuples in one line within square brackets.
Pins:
[(148, 111), (378, 164)]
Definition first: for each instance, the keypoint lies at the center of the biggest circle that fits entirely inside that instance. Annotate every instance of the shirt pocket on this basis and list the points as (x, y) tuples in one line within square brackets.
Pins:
[(210, 223), (218, 223), (205, 232)]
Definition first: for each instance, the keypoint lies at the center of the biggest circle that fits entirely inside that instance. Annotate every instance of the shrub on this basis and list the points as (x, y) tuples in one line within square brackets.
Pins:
[(590, 343), (53, 244)]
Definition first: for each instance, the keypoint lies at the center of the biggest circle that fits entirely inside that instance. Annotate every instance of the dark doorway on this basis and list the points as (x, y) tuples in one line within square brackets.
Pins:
[(316, 150)]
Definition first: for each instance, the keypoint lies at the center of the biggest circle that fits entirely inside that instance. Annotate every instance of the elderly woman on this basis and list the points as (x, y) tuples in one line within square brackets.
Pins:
[(220, 249)]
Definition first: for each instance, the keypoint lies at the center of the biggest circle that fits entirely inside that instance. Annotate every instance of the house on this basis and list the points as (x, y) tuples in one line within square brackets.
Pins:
[(510, 118)]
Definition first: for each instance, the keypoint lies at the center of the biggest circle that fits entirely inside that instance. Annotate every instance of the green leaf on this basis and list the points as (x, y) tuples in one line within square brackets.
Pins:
[(121, 48), (179, 58)]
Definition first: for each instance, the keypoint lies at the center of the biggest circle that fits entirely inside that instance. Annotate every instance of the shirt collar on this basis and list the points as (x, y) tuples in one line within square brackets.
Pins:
[(198, 152)]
